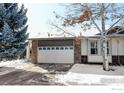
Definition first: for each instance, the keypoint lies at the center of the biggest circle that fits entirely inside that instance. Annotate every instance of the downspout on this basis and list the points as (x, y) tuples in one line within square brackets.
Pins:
[(87, 50)]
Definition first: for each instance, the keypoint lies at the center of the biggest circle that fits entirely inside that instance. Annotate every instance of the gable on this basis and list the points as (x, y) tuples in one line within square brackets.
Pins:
[(115, 30)]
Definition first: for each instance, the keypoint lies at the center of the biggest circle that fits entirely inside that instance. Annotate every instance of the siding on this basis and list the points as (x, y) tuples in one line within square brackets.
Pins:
[(85, 51), (117, 46), (84, 46), (118, 51)]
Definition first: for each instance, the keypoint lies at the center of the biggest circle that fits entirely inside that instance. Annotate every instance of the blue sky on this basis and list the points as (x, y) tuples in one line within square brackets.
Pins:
[(40, 13)]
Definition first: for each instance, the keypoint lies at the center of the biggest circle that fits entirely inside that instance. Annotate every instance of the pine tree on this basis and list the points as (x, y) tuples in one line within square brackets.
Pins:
[(13, 30)]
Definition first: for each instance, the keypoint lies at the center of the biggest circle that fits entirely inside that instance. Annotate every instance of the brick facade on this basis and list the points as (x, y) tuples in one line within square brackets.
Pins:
[(77, 50), (84, 59), (34, 51), (118, 59)]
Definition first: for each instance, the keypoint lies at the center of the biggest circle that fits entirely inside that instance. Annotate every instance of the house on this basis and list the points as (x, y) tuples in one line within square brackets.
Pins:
[(70, 50), (92, 51)]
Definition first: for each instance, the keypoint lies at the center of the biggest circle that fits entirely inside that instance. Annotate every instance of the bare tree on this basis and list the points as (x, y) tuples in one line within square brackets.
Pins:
[(98, 14)]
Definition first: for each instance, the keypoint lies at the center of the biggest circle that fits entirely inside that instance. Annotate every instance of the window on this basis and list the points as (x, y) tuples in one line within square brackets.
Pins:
[(44, 48), (48, 48), (93, 47), (66, 48), (53, 48), (61, 48), (40, 48), (57, 48), (71, 48)]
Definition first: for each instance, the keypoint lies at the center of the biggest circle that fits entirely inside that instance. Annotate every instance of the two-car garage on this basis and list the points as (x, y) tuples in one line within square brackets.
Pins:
[(52, 50), (56, 54)]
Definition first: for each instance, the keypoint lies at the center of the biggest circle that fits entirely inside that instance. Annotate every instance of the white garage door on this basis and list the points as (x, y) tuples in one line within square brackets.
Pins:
[(56, 54)]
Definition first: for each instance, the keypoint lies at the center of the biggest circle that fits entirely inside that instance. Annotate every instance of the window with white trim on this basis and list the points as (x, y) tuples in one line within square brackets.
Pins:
[(71, 48), (53, 48), (44, 48), (93, 47), (40, 48), (61, 48), (57, 48), (66, 48), (48, 48)]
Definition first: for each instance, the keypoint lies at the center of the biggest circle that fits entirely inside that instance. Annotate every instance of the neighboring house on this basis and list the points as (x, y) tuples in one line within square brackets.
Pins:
[(91, 51), (70, 50)]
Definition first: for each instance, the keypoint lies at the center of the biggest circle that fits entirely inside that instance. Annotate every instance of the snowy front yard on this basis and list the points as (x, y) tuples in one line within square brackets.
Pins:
[(21, 72), (81, 74)]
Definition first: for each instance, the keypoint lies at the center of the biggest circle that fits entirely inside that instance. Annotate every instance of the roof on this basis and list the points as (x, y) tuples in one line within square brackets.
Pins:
[(114, 35), (52, 38), (115, 30)]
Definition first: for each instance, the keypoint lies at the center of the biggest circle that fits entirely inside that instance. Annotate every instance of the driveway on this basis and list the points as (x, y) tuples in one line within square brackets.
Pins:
[(20, 72)]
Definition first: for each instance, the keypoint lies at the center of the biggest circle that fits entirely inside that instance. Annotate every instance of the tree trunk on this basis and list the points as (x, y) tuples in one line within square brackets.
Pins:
[(105, 56), (104, 39)]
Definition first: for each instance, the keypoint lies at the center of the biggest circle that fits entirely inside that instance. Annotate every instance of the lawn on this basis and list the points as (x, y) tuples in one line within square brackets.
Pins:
[(87, 74)]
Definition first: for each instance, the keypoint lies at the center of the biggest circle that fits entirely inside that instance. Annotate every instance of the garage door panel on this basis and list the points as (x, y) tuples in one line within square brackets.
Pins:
[(56, 56)]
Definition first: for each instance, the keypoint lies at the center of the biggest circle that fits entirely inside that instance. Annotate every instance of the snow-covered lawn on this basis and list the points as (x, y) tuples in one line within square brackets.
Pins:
[(81, 74), (22, 64)]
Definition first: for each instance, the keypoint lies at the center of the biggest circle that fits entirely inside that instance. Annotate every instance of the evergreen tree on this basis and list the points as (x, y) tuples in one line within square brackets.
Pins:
[(13, 29)]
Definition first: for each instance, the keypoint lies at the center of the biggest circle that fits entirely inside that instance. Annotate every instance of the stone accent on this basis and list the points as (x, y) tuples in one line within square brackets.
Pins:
[(34, 51), (77, 50)]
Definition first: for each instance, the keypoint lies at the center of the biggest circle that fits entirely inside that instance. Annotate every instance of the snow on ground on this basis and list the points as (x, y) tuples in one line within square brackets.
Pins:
[(81, 74), (22, 64)]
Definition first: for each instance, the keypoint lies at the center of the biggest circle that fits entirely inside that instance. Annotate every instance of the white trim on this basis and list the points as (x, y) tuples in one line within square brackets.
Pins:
[(97, 58), (89, 47)]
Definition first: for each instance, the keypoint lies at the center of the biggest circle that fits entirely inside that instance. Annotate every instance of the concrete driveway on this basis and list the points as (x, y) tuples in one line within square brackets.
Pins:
[(12, 76), (20, 72)]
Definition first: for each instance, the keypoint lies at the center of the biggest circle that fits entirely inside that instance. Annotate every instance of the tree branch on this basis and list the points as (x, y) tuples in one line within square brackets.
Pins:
[(62, 30), (107, 6), (96, 24)]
